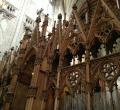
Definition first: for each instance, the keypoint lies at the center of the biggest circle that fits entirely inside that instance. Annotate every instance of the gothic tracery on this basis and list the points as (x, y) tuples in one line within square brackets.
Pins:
[(40, 70)]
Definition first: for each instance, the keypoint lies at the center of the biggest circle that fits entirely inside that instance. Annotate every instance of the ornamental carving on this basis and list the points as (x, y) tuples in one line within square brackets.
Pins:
[(104, 29)]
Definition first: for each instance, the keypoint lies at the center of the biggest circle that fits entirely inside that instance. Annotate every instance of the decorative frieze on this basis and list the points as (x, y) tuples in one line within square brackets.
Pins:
[(7, 10), (29, 22)]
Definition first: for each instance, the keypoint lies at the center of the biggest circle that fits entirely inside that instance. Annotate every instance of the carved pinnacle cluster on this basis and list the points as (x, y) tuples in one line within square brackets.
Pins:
[(38, 19)]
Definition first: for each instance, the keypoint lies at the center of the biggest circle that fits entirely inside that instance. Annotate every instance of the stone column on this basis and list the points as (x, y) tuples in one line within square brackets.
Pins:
[(43, 103), (56, 104), (33, 86), (88, 80)]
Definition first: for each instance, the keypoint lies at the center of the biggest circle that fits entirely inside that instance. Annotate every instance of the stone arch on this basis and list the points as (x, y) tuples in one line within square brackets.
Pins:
[(74, 79), (109, 71), (30, 52), (27, 65), (24, 78)]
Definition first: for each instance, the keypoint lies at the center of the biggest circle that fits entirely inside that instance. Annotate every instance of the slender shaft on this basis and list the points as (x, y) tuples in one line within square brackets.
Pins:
[(88, 89), (56, 105)]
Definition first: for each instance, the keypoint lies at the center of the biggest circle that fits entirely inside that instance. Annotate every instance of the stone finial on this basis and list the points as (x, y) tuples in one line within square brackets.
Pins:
[(39, 12), (27, 30), (74, 7), (12, 48), (38, 19), (45, 20), (66, 23), (60, 16)]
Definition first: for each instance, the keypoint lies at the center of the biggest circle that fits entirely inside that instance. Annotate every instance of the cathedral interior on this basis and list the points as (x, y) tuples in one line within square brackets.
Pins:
[(60, 55)]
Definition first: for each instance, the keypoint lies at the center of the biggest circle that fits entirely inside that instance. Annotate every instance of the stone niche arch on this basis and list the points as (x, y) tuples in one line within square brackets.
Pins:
[(27, 64), (24, 80), (30, 52)]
